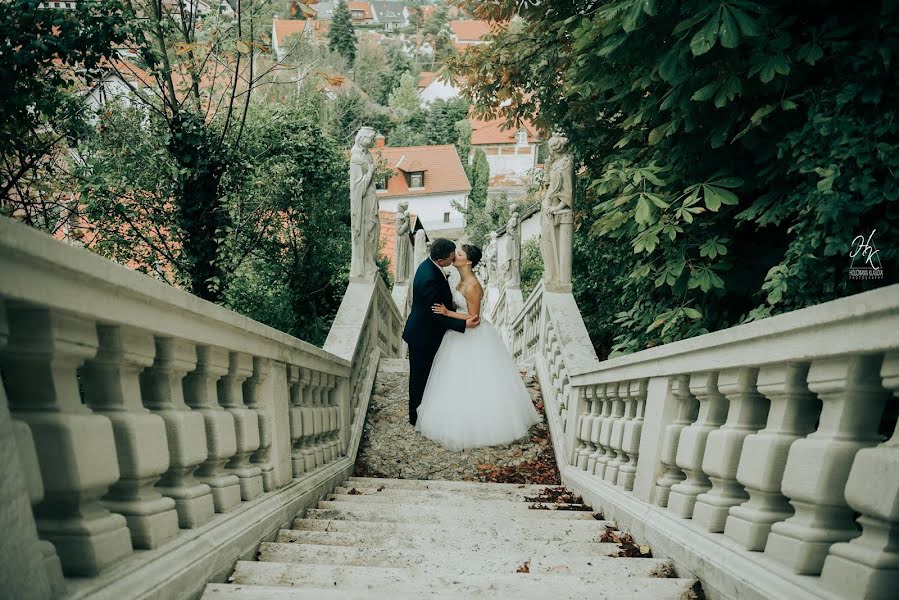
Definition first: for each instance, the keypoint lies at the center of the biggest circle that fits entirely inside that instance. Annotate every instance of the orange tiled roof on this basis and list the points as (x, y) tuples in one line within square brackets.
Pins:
[(365, 7), (287, 27), (470, 31), (492, 132), (426, 78), (441, 165)]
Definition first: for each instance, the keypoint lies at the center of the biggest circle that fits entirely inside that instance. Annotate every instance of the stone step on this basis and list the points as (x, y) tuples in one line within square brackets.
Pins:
[(466, 540), (415, 512), (536, 529), (439, 484), (464, 562), (391, 581), (468, 502), (516, 495), (227, 591)]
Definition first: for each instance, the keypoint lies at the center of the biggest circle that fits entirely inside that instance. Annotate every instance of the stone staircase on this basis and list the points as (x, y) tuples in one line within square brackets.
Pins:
[(398, 538)]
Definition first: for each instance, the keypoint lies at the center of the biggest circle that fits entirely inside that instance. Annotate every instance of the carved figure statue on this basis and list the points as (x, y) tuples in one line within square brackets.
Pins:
[(403, 246), (366, 225), (513, 248), (421, 248), (556, 217), (491, 258)]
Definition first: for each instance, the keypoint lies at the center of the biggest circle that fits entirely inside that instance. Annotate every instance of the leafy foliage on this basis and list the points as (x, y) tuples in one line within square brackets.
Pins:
[(732, 149), (531, 266)]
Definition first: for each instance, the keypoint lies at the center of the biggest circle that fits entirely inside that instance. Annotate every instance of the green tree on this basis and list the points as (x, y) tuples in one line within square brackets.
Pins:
[(735, 148), (48, 57), (404, 99), (531, 266), (341, 36)]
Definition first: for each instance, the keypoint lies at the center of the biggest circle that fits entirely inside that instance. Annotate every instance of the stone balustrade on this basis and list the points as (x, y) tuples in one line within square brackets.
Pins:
[(148, 422), (757, 458), (524, 328)]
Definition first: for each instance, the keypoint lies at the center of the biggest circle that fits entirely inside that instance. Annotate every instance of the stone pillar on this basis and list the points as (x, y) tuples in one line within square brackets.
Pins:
[(622, 407), (818, 466), (687, 409), (746, 414), (793, 413), (261, 403), (39, 370), (345, 412), (867, 568), (585, 447), (610, 436), (610, 395), (163, 394), (566, 233), (333, 418), (633, 428), (246, 424), (112, 389), (598, 394), (296, 420), (307, 452), (201, 394), (318, 383), (691, 446), (26, 572)]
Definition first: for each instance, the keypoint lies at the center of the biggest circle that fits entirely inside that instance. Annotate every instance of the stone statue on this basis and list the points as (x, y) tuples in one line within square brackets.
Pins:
[(491, 258), (513, 248), (556, 217), (421, 248), (403, 246), (366, 226)]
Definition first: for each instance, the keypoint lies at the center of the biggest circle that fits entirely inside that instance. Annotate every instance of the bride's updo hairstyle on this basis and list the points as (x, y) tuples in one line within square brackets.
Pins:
[(473, 253)]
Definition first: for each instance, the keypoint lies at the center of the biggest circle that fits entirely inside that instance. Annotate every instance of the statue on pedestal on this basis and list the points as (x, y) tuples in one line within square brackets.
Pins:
[(491, 258), (421, 248), (366, 226), (513, 248), (402, 242), (557, 218)]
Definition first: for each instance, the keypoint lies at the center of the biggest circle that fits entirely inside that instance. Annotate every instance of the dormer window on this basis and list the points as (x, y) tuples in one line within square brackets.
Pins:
[(521, 138), (417, 179), (381, 185)]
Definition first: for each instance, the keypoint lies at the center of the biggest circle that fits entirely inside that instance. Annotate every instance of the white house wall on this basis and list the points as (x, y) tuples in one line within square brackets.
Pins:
[(512, 166), (430, 209), (530, 229), (438, 90)]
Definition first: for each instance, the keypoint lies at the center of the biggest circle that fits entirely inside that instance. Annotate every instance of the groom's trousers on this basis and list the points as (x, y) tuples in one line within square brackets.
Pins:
[(420, 361)]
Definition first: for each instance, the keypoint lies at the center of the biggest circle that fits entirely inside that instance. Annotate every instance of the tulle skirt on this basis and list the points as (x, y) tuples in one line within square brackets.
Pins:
[(474, 396)]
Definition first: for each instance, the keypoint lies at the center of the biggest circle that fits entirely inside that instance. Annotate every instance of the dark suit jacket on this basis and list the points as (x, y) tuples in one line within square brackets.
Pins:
[(424, 328)]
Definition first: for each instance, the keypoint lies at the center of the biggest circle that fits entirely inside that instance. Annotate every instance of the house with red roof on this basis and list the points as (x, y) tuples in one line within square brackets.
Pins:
[(431, 179), (282, 29), (469, 32), (433, 86), (512, 149)]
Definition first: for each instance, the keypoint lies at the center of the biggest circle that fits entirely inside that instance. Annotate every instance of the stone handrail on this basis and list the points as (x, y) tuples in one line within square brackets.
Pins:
[(158, 436), (743, 454)]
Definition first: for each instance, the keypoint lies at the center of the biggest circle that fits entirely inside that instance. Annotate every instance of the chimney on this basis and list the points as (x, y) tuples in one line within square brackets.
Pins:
[(380, 141)]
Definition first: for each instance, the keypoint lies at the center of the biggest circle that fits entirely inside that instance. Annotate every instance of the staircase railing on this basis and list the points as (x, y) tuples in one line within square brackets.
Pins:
[(160, 437), (743, 455)]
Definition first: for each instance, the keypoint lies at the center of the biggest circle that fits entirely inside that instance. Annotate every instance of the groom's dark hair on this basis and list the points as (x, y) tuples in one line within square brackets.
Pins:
[(442, 248)]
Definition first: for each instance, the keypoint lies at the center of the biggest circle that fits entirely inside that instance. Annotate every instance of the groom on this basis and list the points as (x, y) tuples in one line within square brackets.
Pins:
[(424, 329)]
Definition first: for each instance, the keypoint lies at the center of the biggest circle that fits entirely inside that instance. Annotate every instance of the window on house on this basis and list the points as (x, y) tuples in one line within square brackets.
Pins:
[(521, 138), (417, 180), (446, 217), (381, 185)]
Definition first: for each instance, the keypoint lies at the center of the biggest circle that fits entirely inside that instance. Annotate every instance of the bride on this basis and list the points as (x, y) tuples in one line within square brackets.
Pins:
[(474, 396)]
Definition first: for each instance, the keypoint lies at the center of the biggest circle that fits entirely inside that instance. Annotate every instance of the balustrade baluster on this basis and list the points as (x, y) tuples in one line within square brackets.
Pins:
[(163, 394), (687, 409), (334, 412), (598, 392), (201, 394), (318, 381), (793, 413), (255, 392), (616, 436), (44, 351), (297, 464), (818, 465), (867, 568), (605, 433), (246, 424), (112, 388), (691, 446), (308, 421), (633, 429), (325, 438), (579, 459), (746, 414)]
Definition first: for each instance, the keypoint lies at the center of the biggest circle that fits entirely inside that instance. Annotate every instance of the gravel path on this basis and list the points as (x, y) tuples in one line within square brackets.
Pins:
[(391, 448)]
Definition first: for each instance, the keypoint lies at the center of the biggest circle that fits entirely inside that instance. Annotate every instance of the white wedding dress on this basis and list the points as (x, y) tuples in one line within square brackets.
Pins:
[(474, 396)]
